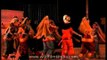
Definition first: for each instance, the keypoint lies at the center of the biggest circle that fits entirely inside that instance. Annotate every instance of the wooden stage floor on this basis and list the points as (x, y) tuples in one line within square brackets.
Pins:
[(77, 50)]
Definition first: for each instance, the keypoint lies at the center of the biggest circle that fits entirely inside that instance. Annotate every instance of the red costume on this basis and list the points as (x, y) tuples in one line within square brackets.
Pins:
[(67, 43), (67, 32)]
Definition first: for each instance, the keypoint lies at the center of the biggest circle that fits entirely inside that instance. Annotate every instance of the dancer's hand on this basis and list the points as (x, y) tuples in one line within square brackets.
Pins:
[(44, 40), (80, 36), (34, 37), (59, 44)]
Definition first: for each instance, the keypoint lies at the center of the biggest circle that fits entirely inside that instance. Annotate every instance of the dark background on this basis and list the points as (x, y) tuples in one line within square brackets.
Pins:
[(57, 8)]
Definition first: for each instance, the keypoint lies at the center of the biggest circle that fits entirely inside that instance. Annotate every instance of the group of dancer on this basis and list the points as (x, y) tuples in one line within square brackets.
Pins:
[(19, 33)]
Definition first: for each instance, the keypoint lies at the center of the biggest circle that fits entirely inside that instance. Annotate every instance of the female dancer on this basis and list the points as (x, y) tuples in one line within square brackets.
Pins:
[(88, 45), (47, 30), (98, 35), (10, 37), (67, 43), (24, 32)]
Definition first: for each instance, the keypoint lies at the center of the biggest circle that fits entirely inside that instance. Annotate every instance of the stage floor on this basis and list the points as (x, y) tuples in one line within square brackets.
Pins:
[(58, 51)]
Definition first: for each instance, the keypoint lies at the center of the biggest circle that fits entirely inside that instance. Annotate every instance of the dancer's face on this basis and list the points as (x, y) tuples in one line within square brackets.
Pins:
[(16, 23), (67, 20), (28, 22), (94, 26)]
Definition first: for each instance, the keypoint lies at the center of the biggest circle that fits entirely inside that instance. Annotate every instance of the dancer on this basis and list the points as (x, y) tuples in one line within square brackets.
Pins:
[(24, 34), (67, 32), (23, 45), (97, 36), (47, 30), (88, 46), (10, 37)]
